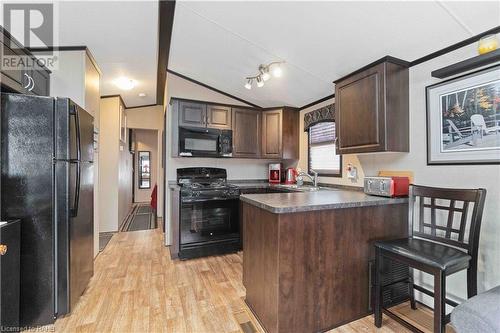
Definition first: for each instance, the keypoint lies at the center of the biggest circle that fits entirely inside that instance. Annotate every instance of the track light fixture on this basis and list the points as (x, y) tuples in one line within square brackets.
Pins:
[(265, 74)]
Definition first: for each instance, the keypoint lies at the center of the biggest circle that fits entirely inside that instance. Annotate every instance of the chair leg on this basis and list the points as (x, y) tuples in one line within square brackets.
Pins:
[(439, 302), (377, 313), (411, 290), (472, 280)]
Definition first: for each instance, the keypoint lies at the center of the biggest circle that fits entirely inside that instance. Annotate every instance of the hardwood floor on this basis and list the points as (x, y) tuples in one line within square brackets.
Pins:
[(137, 288)]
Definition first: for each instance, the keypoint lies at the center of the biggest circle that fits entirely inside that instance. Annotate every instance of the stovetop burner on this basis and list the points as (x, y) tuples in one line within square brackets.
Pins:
[(205, 183)]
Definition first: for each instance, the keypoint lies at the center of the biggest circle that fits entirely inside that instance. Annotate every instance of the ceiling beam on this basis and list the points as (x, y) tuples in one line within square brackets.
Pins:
[(166, 10)]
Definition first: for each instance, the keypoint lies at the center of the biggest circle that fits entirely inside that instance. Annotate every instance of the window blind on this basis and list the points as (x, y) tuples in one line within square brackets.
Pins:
[(323, 157)]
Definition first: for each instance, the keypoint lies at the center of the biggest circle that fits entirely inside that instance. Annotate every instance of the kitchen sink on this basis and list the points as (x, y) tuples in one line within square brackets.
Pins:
[(301, 188)]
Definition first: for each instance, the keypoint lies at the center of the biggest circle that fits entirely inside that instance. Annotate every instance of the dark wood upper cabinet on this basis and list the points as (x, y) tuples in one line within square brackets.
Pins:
[(271, 133), (257, 133), (280, 133), (219, 116), (33, 81), (246, 132), (192, 114), (372, 108)]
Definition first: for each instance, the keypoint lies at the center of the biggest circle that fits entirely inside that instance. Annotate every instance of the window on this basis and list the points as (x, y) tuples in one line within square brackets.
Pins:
[(323, 157), (144, 170)]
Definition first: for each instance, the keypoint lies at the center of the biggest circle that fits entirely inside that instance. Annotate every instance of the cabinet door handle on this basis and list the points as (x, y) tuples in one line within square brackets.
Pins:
[(3, 249), (31, 83)]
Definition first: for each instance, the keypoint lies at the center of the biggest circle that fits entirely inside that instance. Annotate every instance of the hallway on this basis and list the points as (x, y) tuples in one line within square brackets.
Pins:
[(137, 288)]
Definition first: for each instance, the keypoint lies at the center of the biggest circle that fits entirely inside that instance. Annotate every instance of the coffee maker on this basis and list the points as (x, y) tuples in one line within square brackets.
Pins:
[(275, 173)]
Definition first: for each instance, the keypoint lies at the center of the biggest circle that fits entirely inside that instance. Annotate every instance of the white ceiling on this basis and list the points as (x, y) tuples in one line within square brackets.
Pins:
[(122, 36), (220, 43)]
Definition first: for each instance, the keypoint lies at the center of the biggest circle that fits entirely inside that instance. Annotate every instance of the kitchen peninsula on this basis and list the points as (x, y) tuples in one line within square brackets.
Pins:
[(306, 255)]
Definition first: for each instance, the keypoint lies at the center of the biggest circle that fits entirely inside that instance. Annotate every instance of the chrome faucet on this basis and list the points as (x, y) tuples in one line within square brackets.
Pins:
[(313, 178)]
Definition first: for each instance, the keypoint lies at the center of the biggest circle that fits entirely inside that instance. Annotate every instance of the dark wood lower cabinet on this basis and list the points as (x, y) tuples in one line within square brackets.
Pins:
[(309, 271), (10, 261)]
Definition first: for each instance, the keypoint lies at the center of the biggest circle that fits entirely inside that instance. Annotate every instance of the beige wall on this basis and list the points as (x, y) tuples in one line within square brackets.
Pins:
[(457, 176), (151, 117), (146, 140), (115, 176), (125, 182)]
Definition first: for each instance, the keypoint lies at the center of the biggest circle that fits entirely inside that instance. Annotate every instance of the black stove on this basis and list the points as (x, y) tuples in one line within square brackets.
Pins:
[(209, 214)]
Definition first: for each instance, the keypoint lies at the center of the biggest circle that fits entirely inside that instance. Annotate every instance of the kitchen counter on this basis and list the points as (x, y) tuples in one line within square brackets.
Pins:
[(319, 200), (306, 255)]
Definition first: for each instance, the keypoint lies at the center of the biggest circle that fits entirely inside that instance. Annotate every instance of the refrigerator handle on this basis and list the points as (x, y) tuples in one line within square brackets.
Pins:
[(78, 136), (76, 199)]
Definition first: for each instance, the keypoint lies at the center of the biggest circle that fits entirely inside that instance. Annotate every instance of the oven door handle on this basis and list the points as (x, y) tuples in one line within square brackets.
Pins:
[(219, 145), (208, 199)]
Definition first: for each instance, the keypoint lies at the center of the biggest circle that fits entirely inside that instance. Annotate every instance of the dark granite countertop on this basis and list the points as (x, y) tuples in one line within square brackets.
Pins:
[(320, 200)]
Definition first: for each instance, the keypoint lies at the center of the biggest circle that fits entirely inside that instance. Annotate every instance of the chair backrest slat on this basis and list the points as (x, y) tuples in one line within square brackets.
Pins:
[(442, 226), (463, 222), (433, 216), (421, 214), (449, 224)]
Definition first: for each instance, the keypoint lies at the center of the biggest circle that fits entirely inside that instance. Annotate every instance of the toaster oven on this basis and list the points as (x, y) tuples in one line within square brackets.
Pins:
[(387, 186)]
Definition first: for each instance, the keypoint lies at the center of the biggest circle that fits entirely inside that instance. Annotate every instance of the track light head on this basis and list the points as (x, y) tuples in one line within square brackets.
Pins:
[(260, 81), (277, 71), (248, 85)]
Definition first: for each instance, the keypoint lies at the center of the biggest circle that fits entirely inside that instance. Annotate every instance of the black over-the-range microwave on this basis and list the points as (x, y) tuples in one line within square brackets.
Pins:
[(205, 142)]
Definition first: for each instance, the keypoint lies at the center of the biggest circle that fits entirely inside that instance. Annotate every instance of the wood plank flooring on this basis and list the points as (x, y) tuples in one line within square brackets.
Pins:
[(137, 288)]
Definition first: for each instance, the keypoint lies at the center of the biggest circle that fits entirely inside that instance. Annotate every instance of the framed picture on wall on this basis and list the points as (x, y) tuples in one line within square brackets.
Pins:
[(463, 119), (123, 125)]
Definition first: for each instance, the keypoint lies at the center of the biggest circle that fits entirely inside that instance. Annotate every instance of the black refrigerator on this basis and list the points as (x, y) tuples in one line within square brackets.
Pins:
[(47, 182)]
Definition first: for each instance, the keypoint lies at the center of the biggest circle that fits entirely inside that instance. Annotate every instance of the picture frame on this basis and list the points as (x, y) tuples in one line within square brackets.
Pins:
[(463, 119), (123, 125)]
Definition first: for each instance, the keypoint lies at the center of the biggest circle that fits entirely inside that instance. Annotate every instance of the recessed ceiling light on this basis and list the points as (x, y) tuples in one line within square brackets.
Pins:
[(125, 83), (142, 94)]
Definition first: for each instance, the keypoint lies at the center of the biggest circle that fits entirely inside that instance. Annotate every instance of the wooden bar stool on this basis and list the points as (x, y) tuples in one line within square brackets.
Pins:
[(444, 241)]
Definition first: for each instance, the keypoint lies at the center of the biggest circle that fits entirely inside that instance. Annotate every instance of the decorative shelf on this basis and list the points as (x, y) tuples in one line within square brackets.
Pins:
[(466, 65)]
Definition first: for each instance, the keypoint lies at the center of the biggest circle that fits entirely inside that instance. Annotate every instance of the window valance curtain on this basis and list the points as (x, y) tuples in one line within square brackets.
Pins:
[(326, 113)]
